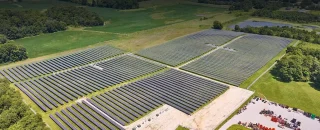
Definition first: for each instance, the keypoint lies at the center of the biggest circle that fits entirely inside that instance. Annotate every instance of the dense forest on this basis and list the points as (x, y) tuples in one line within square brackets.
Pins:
[(15, 24), (14, 114), (117, 4), (299, 64), (288, 16), (75, 16), (287, 32)]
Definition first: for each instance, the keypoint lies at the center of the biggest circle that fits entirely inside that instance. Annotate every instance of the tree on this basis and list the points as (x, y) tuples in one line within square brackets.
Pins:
[(237, 28), (14, 114), (11, 53), (217, 25), (3, 39), (305, 3)]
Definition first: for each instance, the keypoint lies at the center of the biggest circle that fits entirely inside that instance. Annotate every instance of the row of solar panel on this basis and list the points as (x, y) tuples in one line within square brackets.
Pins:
[(181, 50), (251, 53), (28, 71), (183, 91), (58, 89)]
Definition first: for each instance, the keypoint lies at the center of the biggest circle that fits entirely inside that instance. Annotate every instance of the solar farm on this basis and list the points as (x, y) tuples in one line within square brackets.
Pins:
[(107, 88), (239, 60), (183, 49)]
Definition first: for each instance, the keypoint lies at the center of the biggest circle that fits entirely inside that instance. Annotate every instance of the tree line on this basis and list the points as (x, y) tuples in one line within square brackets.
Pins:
[(299, 64), (288, 15), (14, 114), (15, 24), (247, 5), (287, 32), (117, 4)]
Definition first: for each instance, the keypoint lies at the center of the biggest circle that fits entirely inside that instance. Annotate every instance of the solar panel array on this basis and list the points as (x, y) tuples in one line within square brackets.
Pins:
[(123, 105), (61, 63), (84, 116), (249, 54), (181, 50), (58, 89)]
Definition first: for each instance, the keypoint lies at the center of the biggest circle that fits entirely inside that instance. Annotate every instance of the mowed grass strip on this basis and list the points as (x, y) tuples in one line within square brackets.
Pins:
[(238, 127), (46, 44), (132, 21)]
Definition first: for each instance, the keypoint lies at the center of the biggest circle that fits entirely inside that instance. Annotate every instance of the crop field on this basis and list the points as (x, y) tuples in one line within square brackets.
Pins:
[(252, 23), (183, 49), (58, 89), (239, 60), (183, 91), (61, 63), (46, 44)]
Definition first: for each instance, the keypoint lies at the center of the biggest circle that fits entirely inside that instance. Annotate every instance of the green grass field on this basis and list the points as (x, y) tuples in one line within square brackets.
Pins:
[(133, 21), (46, 44)]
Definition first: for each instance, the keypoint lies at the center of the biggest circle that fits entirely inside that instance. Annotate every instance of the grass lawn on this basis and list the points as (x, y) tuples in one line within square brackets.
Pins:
[(45, 44), (132, 21), (237, 127)]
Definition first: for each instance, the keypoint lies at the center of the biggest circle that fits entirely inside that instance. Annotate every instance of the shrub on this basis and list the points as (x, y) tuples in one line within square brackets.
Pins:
[(217, 25)]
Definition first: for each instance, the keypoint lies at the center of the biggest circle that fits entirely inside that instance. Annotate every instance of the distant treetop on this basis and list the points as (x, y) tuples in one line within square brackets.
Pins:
[(117, 4)]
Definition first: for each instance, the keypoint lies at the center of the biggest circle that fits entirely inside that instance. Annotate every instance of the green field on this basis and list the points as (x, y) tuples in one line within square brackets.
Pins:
[(46, 44), (133, 21)]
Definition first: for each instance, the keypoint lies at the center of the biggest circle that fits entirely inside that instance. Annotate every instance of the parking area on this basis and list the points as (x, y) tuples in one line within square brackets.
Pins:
[(275, 116)]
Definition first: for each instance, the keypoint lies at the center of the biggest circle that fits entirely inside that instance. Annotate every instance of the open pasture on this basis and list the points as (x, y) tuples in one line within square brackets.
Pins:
[(253, 23), (46, 44), (61, 63), (240, 59), (180, 90), (58, 89), (183, 49), (138, 20)]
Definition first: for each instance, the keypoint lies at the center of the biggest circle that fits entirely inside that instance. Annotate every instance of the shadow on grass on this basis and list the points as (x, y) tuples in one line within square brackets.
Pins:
[(275, 76), (315, 86)]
